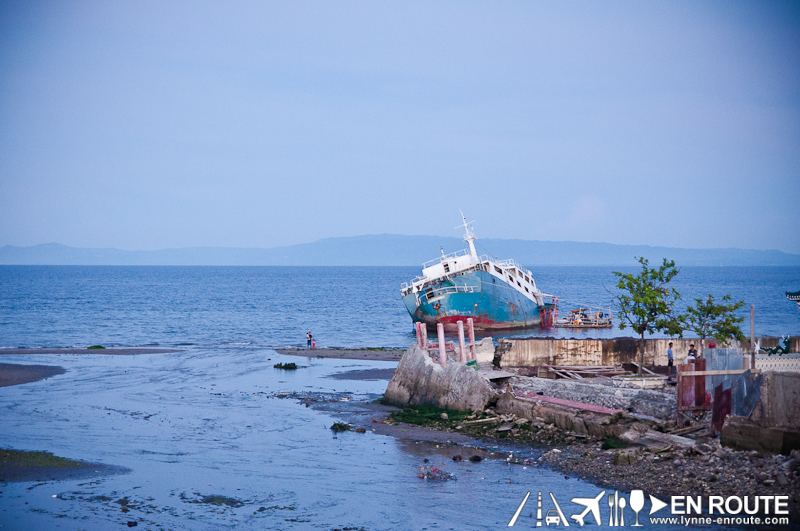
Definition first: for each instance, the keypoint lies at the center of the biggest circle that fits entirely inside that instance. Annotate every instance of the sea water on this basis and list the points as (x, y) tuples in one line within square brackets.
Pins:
[(78, 306), (209, 422)]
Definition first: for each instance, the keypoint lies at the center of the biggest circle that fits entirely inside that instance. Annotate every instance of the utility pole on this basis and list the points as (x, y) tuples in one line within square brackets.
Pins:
[(752, 336)]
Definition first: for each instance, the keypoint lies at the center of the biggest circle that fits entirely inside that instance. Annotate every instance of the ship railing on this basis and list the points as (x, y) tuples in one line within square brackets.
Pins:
[(462, 252), (415, 280), (455, 289), (510, 262)]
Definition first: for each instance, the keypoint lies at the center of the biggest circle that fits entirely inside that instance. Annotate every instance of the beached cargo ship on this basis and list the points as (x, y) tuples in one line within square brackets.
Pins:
[(496, 294)]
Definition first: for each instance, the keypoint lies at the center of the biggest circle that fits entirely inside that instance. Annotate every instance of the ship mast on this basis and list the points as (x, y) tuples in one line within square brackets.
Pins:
[(469, 237)]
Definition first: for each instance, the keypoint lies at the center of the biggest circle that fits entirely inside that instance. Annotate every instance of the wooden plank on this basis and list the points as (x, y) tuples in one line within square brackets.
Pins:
[(495, 375), (690, 429), (575, 375), (585, 367), (718, 373), (644, 369), (562, 374), (482, 421)]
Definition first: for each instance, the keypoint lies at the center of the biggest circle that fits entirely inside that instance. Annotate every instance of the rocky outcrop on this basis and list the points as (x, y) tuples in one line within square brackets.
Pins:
[(418, 380)]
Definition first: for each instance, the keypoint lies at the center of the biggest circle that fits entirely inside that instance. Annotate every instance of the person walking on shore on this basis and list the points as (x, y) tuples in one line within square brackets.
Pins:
[(308, 339)]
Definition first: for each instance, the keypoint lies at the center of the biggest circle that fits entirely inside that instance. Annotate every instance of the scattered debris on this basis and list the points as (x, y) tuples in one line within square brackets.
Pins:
[(429, 472), (212, 499), (340, 426)]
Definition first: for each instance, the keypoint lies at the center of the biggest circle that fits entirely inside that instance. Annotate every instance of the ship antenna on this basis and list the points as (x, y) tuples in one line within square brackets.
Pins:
[(469, 237)]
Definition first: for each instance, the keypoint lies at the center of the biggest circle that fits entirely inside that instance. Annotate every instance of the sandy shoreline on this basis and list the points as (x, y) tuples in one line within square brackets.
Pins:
[(16, 374), (105, 351), (349, 354)]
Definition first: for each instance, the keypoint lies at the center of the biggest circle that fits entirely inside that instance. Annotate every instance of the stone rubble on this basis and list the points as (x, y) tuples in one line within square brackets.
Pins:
[(704, 469)]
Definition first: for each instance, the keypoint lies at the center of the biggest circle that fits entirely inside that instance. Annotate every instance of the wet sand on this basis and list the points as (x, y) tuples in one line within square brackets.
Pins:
[(106, 351), (367, 374), (348, 354), (21, 374), (15, 374)]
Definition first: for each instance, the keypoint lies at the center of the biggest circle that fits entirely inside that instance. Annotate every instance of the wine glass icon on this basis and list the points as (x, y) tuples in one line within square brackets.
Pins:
[(637, 504)]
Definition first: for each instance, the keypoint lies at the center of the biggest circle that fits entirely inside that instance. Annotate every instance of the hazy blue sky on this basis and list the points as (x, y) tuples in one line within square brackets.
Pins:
[(146, 125)]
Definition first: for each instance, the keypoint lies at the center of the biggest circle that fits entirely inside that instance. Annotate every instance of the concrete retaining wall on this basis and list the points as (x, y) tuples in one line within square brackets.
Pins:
[(774, 425), (779, 406), (784, 363), (589, 352)]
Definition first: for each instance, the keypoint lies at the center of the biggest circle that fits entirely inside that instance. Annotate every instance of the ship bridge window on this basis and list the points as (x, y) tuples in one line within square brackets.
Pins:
[(526, 289), (429, 294), (498, 270), (518, 284), (446, 267)]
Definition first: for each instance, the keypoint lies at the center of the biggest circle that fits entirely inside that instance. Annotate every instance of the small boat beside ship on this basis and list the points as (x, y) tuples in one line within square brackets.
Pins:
[(794, 296), (585, 318), (496, 294)]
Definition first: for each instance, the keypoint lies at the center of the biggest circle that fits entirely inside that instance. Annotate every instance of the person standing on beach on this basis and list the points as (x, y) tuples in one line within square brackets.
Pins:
[(308, 339), (669, 355)]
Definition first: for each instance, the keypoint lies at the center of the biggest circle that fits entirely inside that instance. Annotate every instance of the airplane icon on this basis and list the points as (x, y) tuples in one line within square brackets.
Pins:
[(591, 504)]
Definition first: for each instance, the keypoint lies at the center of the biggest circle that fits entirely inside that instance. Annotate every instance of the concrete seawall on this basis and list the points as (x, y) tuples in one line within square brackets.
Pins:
[(588, 352)]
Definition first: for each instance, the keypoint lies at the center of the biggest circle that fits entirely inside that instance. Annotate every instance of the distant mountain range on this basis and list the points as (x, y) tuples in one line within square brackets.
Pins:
[(395, 250)]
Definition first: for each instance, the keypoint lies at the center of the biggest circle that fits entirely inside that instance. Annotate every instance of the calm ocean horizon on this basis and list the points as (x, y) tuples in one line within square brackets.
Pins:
[(274, 306)]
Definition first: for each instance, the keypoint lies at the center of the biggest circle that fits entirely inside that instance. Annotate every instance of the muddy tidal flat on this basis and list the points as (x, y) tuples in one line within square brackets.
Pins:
[(12, 374), (220, 437), (370, 354)]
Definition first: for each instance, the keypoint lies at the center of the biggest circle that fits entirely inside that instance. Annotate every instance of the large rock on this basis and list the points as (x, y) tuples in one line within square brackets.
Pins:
[(418, 380)]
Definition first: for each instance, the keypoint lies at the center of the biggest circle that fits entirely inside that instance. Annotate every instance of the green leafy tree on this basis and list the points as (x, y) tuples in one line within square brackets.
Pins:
[(716, 320), (645, 302)]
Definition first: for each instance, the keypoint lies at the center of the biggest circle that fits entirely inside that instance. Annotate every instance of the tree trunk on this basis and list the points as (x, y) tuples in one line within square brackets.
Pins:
[(641, 355)]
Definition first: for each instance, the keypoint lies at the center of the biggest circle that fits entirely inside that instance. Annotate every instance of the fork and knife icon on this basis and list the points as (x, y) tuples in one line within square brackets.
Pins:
[(616, 506)]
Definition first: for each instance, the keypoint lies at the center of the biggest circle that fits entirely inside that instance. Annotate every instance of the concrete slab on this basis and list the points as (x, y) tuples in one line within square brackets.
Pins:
[(569, 403)]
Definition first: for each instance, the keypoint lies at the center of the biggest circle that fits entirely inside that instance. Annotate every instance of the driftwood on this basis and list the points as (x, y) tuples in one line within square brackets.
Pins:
[(496, 420), (645, 369), (576, 372)]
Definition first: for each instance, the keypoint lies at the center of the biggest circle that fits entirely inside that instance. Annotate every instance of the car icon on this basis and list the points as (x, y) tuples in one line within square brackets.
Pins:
[(551, 518)]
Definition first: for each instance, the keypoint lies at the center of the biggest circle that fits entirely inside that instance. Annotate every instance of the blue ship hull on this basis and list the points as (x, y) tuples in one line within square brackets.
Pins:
[(488, 300)]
